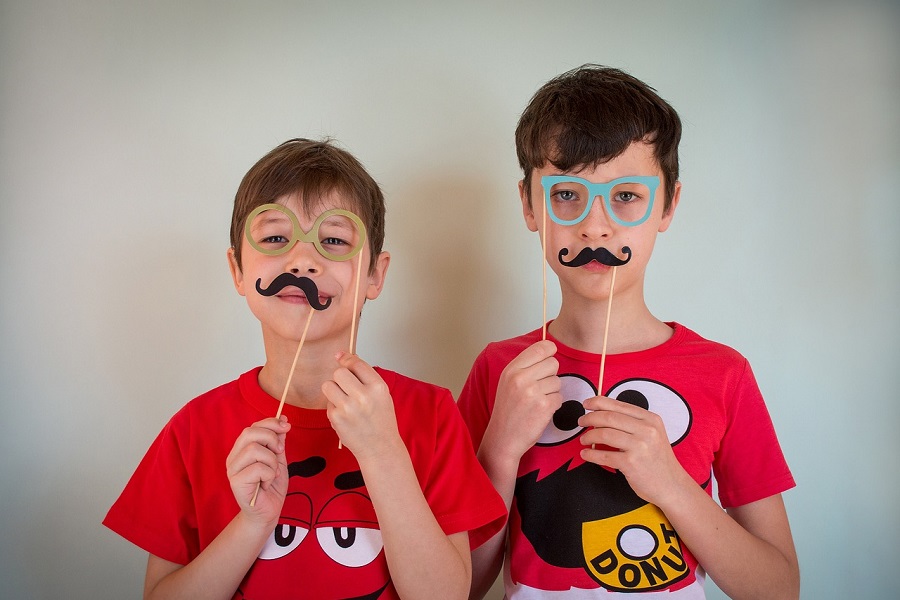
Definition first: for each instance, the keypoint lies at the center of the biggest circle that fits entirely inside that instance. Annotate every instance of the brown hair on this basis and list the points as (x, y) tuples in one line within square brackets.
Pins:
[(311, 170), (590, 115)]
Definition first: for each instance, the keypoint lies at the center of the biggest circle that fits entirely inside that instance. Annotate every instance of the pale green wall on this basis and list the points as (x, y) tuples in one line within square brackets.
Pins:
[(124, 131)]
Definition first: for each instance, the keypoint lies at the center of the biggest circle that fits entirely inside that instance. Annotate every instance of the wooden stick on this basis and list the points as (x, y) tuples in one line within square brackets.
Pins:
[(287, 385), (612, 287), (354, 309), (544, 271)]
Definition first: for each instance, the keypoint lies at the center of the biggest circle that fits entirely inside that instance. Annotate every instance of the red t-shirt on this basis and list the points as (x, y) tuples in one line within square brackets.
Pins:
[(576, 525), (327, 543)]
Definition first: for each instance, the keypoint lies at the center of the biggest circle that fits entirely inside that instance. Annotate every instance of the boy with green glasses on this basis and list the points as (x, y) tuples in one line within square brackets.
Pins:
[(603, 430), (360, 482)]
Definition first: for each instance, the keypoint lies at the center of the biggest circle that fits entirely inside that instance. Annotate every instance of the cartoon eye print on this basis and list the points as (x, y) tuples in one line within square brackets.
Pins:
[(283, 541), (350, 546), (564, 424), (660, 399)]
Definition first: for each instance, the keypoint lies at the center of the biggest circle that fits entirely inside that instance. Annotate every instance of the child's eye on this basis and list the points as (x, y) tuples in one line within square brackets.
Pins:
[(274, 239), (627, 197), (565, 195), (333, 241)]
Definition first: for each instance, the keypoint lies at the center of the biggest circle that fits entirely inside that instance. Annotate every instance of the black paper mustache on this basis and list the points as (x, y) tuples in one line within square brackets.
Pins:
[(601, 255), (304, 283)]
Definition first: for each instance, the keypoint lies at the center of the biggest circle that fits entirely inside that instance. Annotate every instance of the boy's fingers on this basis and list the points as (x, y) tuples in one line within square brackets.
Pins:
[(360, 368), (534, 354), (269, 434), (258, 473), (545, 369), (262, 436), (346, 381), (251, 456), (332, 391)]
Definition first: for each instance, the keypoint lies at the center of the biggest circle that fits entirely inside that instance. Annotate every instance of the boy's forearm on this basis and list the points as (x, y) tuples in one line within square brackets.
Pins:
[(754, 558), (420, 556), (217, 571), (487, 560)]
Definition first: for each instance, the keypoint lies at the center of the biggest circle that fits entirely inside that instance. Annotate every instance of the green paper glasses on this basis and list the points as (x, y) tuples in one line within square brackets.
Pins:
[(337, 234)]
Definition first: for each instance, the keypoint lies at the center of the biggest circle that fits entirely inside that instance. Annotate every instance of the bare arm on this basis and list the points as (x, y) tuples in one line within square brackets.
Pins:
[(256, 459), (361, 411), (487, 559), (414, 542), (215, 573), (749, 551)]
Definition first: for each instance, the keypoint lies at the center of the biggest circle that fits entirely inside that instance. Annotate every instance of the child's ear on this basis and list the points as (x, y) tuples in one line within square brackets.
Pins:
[(236, 274), (668, 216), (527, 209), (377, 275)]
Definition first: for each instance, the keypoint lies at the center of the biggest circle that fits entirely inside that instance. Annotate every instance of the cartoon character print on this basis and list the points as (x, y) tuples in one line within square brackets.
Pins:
[(585, 519), (326, 542)]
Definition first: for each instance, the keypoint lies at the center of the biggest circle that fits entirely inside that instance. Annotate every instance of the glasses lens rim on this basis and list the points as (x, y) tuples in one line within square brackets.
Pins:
[(360, 226), (282, 209)]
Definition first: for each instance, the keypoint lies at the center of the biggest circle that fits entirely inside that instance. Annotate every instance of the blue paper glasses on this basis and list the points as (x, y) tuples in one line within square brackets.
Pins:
[(628, 200)]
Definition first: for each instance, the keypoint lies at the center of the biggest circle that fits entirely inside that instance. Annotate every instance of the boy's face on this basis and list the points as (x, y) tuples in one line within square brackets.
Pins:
[(321, 251), (626, 220)]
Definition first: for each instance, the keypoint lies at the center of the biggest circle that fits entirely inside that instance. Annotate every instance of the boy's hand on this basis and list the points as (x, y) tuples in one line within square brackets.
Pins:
[(360, 408), (258, 459), (527, 396), (632, 440)]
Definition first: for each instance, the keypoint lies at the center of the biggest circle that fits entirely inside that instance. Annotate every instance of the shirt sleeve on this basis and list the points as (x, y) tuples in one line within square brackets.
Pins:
[(750, 465), (156, 509), (473, 401), (459, 492)]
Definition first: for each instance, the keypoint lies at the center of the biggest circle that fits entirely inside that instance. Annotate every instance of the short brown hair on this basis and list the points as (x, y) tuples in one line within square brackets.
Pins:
[(590, 115), (311, 170)]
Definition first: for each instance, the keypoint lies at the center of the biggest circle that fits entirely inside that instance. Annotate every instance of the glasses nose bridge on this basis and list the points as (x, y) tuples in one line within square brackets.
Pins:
[(598, 193), (304, 247)]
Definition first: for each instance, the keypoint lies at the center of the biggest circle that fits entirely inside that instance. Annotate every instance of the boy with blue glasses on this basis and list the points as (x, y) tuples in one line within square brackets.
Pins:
[(605, 454)]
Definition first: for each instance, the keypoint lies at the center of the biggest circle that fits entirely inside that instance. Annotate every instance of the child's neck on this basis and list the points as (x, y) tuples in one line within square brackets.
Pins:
[(315, 365), (631, 328)]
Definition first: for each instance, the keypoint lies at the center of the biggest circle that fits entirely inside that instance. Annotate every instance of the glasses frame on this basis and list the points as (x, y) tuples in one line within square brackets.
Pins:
[(599, 189), (312, 236)]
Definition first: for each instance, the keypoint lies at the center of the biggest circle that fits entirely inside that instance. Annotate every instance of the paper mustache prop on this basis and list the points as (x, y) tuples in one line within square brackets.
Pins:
[(601, 255), (305, 284)]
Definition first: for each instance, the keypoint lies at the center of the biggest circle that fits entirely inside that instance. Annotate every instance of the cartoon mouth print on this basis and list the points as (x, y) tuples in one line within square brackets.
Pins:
[(578, 515), (307, 285), (601, 255), (327, 542)]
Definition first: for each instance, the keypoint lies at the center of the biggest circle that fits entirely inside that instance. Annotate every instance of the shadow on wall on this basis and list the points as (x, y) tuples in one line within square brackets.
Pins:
[(165, 322), (444, 269)]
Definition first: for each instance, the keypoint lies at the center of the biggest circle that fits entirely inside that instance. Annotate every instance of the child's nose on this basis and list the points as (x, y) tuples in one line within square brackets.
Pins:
[(304, 258), (596, 224)]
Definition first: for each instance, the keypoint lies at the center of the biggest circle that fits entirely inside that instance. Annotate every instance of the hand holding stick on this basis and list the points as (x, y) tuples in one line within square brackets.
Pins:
[(287, 385)]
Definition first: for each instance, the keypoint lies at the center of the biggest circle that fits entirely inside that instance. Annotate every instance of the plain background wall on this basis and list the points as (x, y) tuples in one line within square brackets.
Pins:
[(126, 127)]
